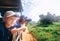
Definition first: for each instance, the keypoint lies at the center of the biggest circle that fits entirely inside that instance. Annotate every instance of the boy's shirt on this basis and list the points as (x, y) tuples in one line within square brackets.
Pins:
[(17, 25)]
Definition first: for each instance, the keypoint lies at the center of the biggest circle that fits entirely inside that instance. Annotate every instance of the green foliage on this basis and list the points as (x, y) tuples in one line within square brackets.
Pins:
[(50, 33)]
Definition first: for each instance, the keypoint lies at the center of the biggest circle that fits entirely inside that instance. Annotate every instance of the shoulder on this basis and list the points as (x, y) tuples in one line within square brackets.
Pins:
[(1, 21), (2, 24)]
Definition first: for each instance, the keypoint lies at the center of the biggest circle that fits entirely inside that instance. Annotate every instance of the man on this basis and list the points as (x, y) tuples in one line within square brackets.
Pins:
[(6, 26)]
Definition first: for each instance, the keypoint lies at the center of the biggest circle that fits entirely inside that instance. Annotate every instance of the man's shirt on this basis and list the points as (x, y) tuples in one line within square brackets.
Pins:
[(5, 34)]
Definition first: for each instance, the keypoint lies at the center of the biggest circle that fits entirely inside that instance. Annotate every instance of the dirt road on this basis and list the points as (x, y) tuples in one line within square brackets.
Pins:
[(26, 36)]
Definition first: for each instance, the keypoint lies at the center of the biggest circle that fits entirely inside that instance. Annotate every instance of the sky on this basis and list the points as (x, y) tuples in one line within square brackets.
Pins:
[(34, 8)]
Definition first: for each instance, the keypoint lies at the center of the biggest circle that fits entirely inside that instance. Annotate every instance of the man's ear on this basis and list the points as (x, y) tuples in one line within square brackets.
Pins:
[(4, 19)]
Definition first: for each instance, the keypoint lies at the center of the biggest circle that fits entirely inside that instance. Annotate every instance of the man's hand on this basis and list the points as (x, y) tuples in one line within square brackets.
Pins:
[(23, 29)]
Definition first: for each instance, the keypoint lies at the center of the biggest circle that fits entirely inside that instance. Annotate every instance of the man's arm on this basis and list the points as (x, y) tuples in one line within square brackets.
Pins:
[(17, 29)]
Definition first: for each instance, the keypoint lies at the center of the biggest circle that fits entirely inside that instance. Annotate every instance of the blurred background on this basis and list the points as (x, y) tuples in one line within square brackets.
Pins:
[(44, 16)]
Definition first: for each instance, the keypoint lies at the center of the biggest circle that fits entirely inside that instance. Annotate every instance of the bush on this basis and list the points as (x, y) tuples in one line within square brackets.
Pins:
[(50, 33)]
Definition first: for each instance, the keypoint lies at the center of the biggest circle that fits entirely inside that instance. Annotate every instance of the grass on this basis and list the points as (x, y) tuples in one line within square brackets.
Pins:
[(50, 33)]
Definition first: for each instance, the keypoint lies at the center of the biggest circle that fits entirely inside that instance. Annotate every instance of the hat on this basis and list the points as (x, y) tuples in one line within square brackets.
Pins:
[(10, 13)]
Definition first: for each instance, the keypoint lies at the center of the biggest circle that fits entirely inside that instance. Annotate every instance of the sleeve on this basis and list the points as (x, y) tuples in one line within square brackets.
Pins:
[(10, 28)]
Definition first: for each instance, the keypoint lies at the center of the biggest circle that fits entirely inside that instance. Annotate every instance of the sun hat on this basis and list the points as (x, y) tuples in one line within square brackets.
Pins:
[(10, 13)]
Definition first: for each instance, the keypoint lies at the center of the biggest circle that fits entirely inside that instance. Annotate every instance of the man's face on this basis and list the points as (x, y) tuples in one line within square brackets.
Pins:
[(11, 20)]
